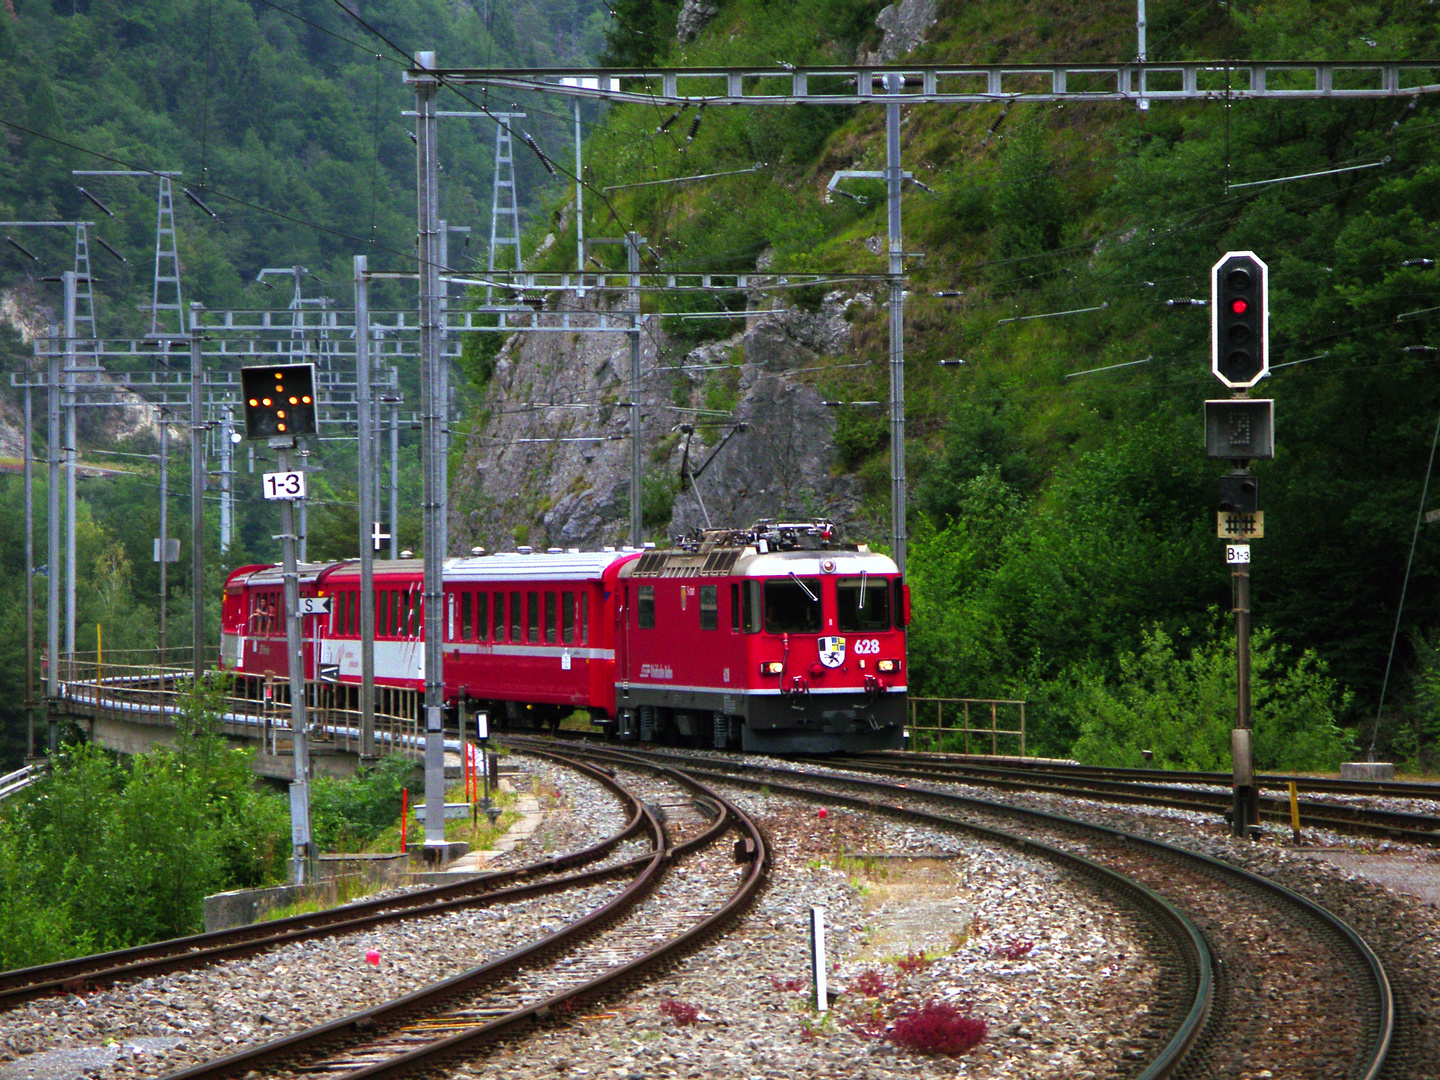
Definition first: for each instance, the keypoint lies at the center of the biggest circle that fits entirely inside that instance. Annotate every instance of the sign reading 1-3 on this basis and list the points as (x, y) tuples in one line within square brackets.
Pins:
[(283, 485)]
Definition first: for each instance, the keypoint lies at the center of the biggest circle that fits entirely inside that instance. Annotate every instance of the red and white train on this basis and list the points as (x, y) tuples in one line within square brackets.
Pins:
[(772, 639)]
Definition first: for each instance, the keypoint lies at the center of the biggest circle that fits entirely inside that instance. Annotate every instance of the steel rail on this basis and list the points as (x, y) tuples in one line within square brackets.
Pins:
[(1396, 789), (751, 848), (198, 950), (1383, 1025), (1196, 957), (1375, 821)]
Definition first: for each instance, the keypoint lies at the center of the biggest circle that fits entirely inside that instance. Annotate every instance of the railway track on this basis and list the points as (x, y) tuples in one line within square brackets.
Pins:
[(1392, 789), (179, 954), (1296, 991), (689, 888), (1178, 790)]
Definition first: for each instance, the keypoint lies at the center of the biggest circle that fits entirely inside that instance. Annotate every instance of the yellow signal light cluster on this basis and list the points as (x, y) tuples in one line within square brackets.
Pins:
[(298, 400)]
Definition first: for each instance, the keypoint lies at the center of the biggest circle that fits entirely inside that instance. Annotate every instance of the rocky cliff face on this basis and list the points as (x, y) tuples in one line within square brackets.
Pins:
[(548, 460), (23, 312)]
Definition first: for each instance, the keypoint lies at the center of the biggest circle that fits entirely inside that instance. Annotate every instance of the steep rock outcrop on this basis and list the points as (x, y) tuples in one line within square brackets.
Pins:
[(548, 460), (904, 25)]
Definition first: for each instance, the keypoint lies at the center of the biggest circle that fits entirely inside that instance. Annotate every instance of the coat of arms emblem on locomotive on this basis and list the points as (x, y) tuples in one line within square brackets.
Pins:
[(832, 651)]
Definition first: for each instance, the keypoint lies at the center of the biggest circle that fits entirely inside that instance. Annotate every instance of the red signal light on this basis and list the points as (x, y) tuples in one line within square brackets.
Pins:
[(1239, 305)]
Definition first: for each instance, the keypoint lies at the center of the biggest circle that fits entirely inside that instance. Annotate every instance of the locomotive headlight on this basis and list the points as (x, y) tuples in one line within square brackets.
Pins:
[(774, 667), (888, 665)]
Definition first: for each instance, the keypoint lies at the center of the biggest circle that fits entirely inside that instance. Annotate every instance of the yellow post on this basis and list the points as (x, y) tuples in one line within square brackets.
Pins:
[(1294, 812), (99, 665)]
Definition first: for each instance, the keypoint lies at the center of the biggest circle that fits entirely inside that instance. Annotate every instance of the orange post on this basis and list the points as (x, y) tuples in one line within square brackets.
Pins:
[(404, 816)]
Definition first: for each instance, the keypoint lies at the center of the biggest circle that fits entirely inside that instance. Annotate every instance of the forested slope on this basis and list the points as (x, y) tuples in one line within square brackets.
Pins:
[(284, 118), (1063, 523)]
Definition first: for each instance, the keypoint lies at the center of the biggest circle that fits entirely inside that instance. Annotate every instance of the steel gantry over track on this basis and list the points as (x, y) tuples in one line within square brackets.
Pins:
[(959, 84)]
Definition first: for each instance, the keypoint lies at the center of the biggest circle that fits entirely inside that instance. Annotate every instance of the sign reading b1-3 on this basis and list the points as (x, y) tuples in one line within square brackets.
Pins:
[(1239, 319)]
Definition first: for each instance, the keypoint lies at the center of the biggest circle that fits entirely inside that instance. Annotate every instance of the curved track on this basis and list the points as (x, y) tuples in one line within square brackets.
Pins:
[(1298, 992), (616, 942), (176, 954), (1179, 791), (1178, 1021)]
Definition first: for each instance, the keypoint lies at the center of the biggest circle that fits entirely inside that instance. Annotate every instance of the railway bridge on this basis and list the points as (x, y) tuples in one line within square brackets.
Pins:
[(133, 702)]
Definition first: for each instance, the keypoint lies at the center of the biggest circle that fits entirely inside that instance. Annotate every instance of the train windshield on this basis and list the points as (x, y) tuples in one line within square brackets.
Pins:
[(863, 603), (792, 606)]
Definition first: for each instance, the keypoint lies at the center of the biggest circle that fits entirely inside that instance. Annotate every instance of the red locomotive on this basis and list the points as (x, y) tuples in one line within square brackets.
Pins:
[(772, 639)]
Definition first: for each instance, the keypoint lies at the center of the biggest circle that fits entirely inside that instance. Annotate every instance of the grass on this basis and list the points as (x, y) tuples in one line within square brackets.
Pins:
[(478, 833), (333, 893)]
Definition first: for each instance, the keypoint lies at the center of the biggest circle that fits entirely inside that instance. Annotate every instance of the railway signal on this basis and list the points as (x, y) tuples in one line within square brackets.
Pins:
[(1239, 319), (279, 400)]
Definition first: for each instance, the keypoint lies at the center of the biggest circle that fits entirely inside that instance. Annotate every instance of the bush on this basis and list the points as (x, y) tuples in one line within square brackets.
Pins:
[(1182, 706), (345, 815), (938, 1028)]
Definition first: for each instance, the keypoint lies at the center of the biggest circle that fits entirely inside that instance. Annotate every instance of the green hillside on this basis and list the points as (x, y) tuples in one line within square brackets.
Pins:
[(1062, 518), (1063, 539)]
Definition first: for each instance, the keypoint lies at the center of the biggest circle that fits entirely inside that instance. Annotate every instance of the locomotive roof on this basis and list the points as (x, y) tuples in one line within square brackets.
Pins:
[(747, 561)]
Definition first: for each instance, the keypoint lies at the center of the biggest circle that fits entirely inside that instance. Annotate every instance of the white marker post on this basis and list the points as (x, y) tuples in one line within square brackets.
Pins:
[(817, 958)]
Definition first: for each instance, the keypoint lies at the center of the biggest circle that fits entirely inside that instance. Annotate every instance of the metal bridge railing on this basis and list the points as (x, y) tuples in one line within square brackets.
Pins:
[(955, 723), (134, 684)]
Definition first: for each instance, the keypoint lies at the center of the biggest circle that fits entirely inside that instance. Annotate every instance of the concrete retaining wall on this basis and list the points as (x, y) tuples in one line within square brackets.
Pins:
[(245, 906)]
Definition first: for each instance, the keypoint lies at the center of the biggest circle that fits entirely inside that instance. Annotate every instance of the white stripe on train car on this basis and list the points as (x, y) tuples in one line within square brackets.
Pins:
[(739, 691), (403, 660), (577, 652)]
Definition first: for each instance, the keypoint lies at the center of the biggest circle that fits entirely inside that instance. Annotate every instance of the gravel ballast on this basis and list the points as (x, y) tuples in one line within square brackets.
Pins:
[(1055, 971)]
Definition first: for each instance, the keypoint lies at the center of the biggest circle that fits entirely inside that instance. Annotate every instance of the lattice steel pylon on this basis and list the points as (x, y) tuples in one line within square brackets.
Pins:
[(84, 295), (504, 205), (167, 264)]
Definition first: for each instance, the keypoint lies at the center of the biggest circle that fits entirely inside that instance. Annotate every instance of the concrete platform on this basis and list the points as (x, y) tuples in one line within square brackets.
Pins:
[(1403, 873), (1367, 770), (531, 818)]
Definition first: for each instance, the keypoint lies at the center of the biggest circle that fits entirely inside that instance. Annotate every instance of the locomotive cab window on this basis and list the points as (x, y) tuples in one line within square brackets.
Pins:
[(792, 606), (645, 607), (709, 607), (863, 603)]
